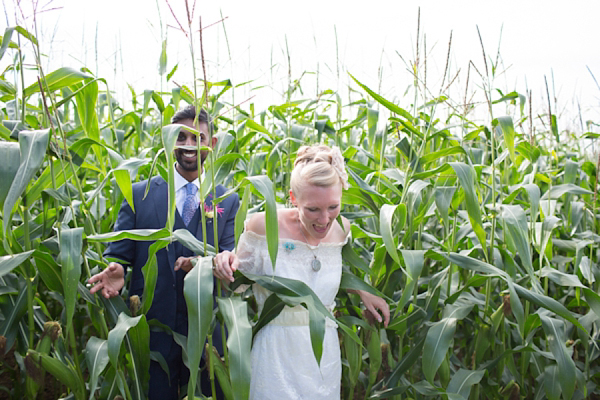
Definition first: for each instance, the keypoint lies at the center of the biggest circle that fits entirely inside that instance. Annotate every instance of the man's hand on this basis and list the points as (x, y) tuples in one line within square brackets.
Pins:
[(224, 265), (184, 263), (110, 281)]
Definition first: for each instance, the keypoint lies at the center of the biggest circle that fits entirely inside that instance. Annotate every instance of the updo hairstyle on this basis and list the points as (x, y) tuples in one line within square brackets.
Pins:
[(318, 165)]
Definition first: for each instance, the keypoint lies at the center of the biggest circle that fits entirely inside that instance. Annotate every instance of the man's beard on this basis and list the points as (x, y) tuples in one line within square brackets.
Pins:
[(188, 165)]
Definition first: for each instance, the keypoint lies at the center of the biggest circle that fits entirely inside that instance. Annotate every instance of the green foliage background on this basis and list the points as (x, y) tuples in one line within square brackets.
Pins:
[(483, 237)]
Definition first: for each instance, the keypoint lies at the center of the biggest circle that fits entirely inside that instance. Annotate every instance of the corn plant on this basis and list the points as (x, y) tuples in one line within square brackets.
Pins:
[(482, 236)]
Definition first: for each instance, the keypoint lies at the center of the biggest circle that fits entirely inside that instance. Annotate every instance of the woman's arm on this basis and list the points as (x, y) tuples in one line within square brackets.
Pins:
[(372, 304)]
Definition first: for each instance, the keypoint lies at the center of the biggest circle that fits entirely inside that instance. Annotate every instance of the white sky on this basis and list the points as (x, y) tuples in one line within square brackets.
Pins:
[(551, 38)]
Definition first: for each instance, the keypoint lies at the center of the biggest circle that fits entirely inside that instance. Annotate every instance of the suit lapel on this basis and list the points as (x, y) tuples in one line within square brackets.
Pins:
[(161, 201)]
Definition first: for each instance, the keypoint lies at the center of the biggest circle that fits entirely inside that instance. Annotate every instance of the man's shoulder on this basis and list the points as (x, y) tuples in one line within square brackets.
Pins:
[(220, 190), (141, 185)]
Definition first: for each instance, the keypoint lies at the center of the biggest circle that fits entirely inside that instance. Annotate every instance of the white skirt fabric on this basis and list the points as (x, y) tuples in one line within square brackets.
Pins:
[(283, 362)]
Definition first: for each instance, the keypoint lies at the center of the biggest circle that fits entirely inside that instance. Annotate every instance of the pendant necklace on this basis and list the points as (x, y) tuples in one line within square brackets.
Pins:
[(315, 263)]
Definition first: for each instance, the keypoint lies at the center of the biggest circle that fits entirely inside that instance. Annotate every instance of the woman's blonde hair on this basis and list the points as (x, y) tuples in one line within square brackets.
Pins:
[(318, 165)]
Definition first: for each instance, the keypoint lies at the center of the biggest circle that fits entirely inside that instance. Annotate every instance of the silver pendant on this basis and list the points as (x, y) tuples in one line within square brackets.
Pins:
[(316, 265)]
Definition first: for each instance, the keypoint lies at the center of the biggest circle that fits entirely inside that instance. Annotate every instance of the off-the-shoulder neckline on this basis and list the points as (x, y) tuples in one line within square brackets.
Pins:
[(324, 244)]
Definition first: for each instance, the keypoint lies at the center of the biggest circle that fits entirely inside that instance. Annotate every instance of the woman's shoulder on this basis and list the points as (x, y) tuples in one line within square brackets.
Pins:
[(342, 230), (256, 224)]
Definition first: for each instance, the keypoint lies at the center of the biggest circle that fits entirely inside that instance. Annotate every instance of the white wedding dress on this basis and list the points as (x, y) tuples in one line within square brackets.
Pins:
[(283, 363)]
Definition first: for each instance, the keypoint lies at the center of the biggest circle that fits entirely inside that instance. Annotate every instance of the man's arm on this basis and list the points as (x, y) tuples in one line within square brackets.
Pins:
[(112, 279)]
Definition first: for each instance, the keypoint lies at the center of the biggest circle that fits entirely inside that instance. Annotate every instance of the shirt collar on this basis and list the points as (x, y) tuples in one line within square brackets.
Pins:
[(180, 181)]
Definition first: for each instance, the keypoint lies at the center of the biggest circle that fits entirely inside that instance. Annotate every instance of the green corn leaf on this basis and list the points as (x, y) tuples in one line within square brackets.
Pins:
[(406, 363), (124, 181), (506, 127), (271, 309), (11, 159), (386, 217), (133, 234), (197, 290), (265, 187), (86, 108), (443, 199), (257, 127), (162, 62), (6, 42), (61, 78), (71, 245), (555, 335), (160, 104), (96, 357), (138, 343), (49, 270), (516, 222), (352, 282), (294, 293), (517, 307), (222, 374), (466, 175), (437, 342), (536, 298), (436, 155), (239, 342), (353, 357), (552, 382), (135, 332), (350, 257), (14, 309), (374, 350), (463, 380), (559, 190), (190, 241), (414, 260), (33, 146), (55, 174), (387, 104), (240, 216), (10, 262), (593, 300), (63, 373), (150, 272), (169, 135), (534, 193)]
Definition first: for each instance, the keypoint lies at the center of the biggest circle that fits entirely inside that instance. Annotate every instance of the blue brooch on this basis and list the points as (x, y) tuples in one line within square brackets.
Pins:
[(289, 246)]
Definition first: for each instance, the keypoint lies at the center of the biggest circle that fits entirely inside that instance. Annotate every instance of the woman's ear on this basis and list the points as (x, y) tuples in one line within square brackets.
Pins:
[(293, 198)]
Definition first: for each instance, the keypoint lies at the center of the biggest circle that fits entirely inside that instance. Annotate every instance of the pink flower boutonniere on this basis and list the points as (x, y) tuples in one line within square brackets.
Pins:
[(209, 210)]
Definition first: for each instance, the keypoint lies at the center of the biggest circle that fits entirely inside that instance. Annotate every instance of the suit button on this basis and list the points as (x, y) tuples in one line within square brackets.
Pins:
[(173, 286)]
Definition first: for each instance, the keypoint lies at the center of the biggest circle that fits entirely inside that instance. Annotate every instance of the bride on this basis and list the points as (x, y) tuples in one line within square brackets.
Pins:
[(310, 250)]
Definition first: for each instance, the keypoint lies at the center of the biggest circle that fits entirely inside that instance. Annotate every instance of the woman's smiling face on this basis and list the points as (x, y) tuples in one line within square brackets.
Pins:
[(318, 207)]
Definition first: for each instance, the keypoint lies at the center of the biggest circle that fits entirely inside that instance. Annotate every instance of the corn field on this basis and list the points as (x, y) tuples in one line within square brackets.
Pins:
[(483, 237)]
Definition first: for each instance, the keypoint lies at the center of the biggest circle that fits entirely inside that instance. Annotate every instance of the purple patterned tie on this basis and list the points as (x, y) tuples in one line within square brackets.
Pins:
[(191, 203)]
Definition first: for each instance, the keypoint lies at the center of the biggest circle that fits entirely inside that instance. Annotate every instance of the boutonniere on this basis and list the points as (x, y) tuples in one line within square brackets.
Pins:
[(209, 210)]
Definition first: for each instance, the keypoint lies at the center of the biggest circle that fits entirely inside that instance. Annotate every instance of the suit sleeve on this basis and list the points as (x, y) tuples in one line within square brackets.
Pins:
[(123, 249), (227, 239)]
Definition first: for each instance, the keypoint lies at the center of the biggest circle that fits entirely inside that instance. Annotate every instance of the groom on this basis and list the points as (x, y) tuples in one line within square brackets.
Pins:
[(168, 305)]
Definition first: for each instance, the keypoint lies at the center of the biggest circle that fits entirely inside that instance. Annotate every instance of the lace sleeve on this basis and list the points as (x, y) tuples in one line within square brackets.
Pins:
[(249, 253)]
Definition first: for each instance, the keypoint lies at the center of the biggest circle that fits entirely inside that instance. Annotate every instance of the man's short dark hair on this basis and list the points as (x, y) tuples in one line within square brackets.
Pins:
[(189, 112)]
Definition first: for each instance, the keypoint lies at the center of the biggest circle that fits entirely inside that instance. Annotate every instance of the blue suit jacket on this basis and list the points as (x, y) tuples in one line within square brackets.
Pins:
[(151, 213)]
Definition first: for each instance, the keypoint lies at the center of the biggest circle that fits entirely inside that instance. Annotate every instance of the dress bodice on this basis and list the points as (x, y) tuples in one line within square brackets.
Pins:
[(294, 258)]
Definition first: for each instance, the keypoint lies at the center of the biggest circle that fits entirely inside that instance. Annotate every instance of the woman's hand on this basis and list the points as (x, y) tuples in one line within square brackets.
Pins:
[(374, 303), (224, 265)]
